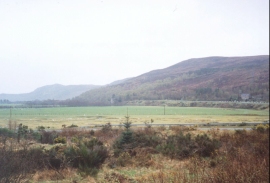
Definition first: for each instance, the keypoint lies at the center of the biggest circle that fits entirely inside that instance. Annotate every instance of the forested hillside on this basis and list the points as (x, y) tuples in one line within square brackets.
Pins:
[(210, 79)]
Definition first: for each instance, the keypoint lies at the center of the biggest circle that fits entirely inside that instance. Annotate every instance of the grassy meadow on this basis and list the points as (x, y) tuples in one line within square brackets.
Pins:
[(91, 116)]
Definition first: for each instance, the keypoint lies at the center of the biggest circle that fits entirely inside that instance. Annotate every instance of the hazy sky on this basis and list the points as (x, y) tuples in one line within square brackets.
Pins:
[(44, 42)]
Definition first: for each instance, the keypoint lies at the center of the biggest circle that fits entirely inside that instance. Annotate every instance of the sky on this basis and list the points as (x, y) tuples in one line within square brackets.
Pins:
[(44, 42)]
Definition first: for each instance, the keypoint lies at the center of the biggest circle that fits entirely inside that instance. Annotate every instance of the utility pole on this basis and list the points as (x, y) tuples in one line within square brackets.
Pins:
[(164, 109), (127, 111), (10, 122)]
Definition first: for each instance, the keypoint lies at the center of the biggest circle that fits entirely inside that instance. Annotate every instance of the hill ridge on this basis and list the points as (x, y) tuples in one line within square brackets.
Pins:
[(208, 78), (49, 92)]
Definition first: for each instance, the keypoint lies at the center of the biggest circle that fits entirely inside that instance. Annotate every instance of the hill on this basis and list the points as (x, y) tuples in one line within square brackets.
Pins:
[(53, 92), (119, 81), (209, 79)]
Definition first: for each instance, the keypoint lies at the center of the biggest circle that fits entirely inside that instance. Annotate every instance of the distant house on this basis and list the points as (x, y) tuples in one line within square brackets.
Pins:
[(112, 101), (245, 96)]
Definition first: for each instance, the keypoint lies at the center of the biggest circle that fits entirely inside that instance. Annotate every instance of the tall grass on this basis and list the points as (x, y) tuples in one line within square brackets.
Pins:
[(158, 155), (243, 157)]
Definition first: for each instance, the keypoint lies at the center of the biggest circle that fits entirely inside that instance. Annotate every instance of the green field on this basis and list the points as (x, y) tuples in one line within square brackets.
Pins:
[(90, 116)]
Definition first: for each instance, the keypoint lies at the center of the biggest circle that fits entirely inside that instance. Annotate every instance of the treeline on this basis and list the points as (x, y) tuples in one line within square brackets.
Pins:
[(5, 101), (115, 95)]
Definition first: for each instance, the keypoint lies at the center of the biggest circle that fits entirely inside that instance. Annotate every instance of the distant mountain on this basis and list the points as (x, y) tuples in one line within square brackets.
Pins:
[(56, 92), (210, 78)]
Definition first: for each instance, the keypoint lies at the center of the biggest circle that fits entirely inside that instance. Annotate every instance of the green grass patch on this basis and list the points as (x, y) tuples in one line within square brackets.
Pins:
[(84, 116)]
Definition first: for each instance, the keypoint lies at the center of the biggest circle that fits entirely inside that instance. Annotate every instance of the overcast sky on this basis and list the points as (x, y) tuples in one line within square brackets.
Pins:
[(44, 42)]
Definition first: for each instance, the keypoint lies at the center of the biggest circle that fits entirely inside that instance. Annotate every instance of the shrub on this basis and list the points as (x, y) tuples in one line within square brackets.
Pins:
[(22, 131), (48, 137), (240, 132), (75, 140), (177, 146), (70, 132), (41, 128), (106, 128), (4, 132), (36, 136), (91, 143), (72, 126), (146, 138), (243, 124), (123, 159), (56, 156), (87, 155), (60, 139), (92, 132), (245, 159), (182, 146), (18, 161), (206, 145), (262, 128)]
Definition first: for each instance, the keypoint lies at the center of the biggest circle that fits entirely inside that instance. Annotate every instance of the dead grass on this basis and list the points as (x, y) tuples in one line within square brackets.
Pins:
[(242, 157), (67, 175)]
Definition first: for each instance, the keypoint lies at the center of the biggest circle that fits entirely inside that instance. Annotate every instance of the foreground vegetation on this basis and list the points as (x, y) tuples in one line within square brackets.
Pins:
[(126, 154)]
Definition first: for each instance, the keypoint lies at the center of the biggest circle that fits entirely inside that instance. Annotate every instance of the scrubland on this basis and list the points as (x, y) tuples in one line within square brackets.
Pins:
[(129, 154)]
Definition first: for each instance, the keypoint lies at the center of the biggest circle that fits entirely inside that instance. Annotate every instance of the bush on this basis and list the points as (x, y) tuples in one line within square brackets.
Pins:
[(243, 124), (206, 145), (72, 126), (87, 155), (56, 156), (106, 128), (262, 128), (177, 146), (4, 132), (41, 128), (48, 137), (92, 132), (123, 159), (18, 161), (36, 136), (182, 146), (146, 138), (61, 140)]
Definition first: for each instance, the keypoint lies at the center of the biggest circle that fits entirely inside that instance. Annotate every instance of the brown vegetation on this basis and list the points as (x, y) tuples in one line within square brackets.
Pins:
[(177, 154)]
